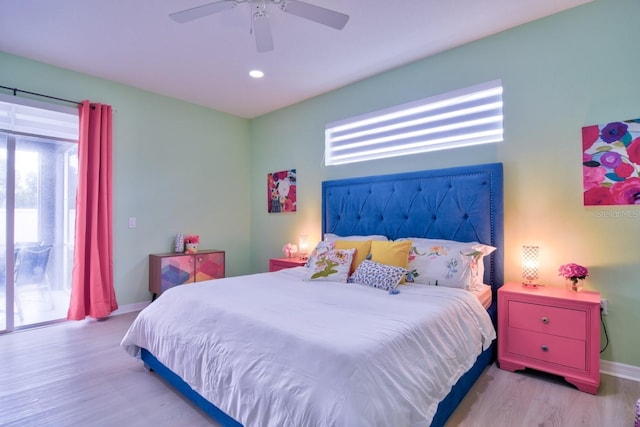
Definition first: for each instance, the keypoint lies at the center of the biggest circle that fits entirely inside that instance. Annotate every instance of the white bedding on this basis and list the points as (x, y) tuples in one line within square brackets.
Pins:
[(483, 293), (272, 350)]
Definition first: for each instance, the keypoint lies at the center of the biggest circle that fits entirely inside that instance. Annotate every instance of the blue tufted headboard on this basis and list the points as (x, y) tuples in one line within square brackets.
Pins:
[(462, 203)]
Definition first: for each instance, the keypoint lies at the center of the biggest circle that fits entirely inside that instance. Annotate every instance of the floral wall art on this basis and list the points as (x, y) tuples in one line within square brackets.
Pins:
[(611, 163), (281, 191)]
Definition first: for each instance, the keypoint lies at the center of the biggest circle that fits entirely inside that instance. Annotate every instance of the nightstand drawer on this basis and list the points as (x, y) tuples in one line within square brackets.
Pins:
[(548, 348), (277, 264), (563, 322)]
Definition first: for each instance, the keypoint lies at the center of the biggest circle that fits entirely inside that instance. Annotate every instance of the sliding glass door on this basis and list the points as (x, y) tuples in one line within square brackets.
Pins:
[(38, 178)]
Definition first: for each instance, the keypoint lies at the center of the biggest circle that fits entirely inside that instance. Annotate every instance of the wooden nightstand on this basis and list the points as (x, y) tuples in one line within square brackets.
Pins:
[(172, 269), (276, 264), (550, 329)]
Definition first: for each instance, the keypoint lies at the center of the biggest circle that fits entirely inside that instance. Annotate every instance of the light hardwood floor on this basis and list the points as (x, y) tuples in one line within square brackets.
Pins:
[(527, 398), (76, 374)]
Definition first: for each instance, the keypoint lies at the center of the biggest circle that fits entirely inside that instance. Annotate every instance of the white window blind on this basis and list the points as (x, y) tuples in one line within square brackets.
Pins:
[(468, 116), (29, 117)]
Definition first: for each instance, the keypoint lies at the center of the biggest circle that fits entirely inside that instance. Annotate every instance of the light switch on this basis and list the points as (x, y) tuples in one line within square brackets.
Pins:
[(132, 222)]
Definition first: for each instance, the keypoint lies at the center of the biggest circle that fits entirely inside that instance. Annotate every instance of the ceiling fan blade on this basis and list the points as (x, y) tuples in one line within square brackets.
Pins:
[(202, 11), (262, 32), (318, 14)]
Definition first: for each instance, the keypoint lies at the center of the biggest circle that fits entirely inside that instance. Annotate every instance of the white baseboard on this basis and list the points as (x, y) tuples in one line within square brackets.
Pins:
[(131, 307), (620, 370)]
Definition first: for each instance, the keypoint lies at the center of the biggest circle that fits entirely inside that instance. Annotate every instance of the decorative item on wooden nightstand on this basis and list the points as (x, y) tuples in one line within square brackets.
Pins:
[(573, 274), (191, 243), (179, 244), (550, 329), (530, 266)]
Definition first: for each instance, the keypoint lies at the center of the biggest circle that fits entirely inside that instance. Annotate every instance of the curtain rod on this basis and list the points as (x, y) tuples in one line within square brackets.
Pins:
[(15, 91)]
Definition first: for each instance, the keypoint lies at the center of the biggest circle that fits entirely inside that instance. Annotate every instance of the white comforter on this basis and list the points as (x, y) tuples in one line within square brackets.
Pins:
[(273, 350)]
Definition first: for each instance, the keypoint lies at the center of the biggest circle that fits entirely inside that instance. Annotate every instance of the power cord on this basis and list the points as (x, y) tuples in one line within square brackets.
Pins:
[(604, 327)]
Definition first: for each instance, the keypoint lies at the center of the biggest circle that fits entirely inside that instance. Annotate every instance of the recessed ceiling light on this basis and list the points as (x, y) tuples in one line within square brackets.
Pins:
[(256, 74)]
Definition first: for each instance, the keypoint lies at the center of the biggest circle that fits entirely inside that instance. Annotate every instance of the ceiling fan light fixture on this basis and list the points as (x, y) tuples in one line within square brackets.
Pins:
[(256, 74)]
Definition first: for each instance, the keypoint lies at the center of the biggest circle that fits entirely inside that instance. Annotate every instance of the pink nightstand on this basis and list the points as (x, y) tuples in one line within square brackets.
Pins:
[(550, 329), (276, 264)]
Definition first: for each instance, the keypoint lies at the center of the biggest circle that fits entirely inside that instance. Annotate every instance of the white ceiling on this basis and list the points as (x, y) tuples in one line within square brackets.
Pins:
[(207, 61)]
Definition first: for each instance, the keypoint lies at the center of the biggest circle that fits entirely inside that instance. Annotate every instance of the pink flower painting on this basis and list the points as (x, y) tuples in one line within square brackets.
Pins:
[(281, 191), (611, 163)]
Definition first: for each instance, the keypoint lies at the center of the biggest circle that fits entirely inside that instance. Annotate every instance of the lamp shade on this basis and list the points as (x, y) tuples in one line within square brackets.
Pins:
[(303, 245), (530, 264)]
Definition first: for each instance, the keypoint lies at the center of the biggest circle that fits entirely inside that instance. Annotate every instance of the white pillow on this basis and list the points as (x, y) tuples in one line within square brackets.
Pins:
[(330, 237), (332, 265), (447, 263)]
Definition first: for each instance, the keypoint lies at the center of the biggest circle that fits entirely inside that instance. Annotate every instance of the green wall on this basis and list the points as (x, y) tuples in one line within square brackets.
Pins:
[(560, 73), (178, 167)]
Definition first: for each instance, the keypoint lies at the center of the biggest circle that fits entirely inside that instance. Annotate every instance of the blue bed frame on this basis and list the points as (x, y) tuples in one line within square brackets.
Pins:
[(462, 203)]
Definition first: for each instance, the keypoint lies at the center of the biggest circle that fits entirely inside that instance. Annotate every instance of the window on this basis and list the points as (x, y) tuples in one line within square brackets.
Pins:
[(469, 116)]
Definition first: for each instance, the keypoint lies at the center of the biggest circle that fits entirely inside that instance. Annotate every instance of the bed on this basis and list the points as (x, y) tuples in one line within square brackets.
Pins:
[(349, 349)]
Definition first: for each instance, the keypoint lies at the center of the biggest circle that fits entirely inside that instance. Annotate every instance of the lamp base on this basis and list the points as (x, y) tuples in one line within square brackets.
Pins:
[(532, 285)]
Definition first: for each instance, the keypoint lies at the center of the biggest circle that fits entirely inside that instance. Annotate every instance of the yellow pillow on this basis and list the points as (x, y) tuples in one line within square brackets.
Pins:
[(362, 248), (391, 253)]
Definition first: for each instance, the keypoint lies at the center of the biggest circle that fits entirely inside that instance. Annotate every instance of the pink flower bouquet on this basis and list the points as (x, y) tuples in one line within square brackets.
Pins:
[(289, 250), (573, 272), (192, 238)]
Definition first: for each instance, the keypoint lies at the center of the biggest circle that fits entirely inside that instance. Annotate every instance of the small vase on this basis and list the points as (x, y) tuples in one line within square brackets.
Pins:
[(191, 248), (573, 285), (179, 244)]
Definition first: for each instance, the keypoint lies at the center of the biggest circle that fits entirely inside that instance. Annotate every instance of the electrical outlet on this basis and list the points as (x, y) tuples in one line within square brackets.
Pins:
[(603, 306), (132, 222)]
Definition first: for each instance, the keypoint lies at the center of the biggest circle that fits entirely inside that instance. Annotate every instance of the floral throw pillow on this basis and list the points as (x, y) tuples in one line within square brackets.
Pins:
[(447, 263), (320, 249), (331, 266), (362, 250), (377, 275)]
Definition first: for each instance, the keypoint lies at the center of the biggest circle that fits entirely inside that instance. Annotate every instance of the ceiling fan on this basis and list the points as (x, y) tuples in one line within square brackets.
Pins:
[(260, 24)]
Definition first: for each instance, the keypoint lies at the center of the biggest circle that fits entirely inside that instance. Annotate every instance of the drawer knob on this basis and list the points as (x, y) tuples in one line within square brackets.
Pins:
[(545, 320), (544, 348)]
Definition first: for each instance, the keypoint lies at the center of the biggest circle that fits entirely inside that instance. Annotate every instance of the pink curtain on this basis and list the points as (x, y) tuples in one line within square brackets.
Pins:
[(92, 292)]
